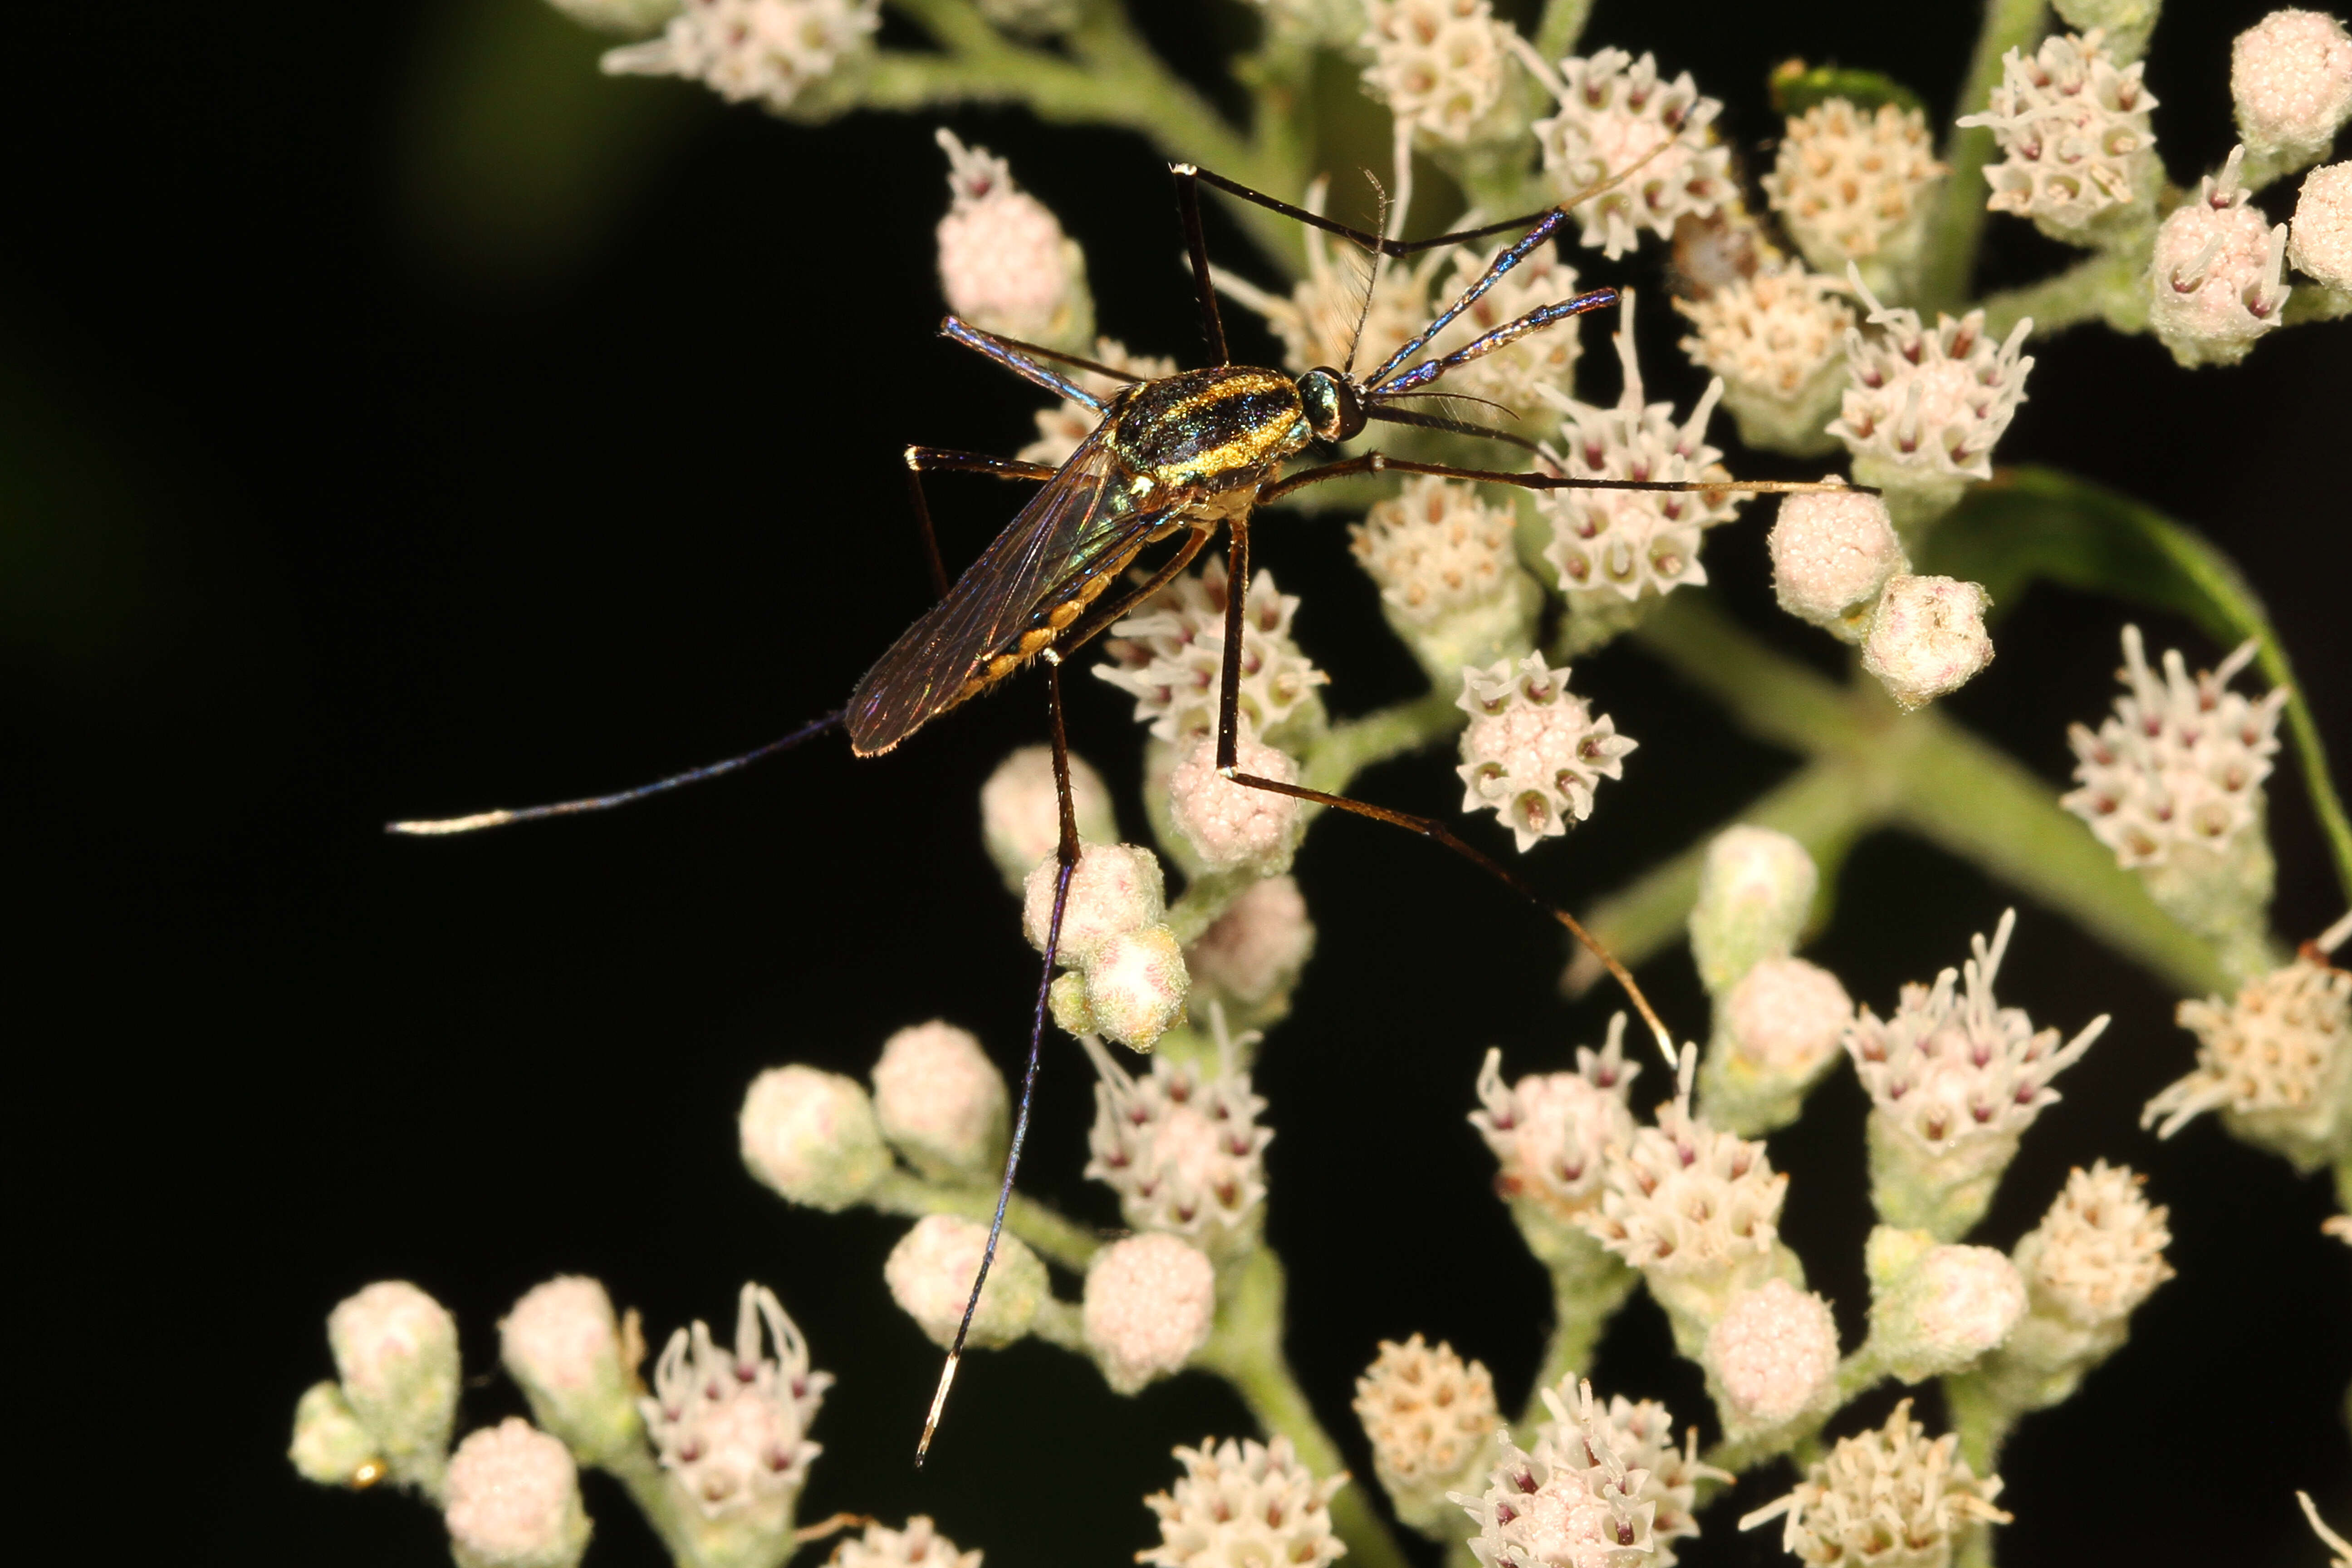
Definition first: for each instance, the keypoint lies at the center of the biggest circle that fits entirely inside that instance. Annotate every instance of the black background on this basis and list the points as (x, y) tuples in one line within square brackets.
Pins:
[(401, 419)]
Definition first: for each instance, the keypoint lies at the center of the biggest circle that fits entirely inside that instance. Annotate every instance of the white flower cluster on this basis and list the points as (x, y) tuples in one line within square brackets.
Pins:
[(1628, 544), (1682, 1199), (1439, 65), (2216, 283), (2276, 1063), (1183, 1148), (1436, 549), (1605, 1488), (732, 1428), (1245, 1502), (1126, 969), (1924, 409), (1774, 337), (1888, 1497), (1005, 266), (1525, 375), (1533, 752), (1550, 1132), (1615, 112), (1857, 187), (919, 1545), (2073, 126), (1171, 651), (1432, 1421), (772, 52)]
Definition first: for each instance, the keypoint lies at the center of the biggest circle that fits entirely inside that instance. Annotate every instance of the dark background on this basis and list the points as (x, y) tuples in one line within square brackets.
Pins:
[(397, 417)]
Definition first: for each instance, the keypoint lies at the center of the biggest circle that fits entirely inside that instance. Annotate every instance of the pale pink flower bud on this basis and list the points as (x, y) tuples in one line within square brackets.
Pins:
[(930, 1272), (919, 1545), (940, 1101), (1005, 264), (1253, 951), (1021, 816), (1136, 986), (513, 1501), (1116, 889), (2291, 78), (2320, 244), (330, 1447), (396, 1350), (2216, 281), (1890, 1485), (1150, 1302), (561, 1344), (1756, 891), (1245, 1502), (1831, 556), (1229, 825), (1776, 1032), (811, 1136), (1772, 1357), (1937, 1308), (1928, 637), (1532, 752)]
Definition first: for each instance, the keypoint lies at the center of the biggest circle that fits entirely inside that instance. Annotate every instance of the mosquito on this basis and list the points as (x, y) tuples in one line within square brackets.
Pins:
[(1180, 456)]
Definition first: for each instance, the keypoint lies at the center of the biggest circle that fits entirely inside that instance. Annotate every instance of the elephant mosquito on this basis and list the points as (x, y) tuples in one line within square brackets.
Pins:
[(1185, 454)]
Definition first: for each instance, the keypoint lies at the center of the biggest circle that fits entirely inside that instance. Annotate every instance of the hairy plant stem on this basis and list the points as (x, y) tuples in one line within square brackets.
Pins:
[(1584, 1298), (1245, 1350), (1959, 221), (1054, 1236), (2110, 287), (640, 1474), (1563, 24)]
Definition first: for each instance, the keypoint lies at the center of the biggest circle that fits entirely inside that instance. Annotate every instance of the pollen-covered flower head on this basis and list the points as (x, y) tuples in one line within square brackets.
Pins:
[(919, 1545), (1614, 112), (2099, 1252), (1439, 65), (2320, 241), (1169, 652), (1061, 428), (2276, 1063), (1245, 1502), (1004, 263), (512, 1499), (1952, 1067), (2291, 79), (1533, 752), (1833, 555), (1150, 1302), (1852, 184), (1431, 1420), (1550, 1132), (780, 53), (1625, 544), (1683, 1199), (1926, 638), (1923, 405), (1775, 338), (1182, 1145), (2216, 283), (2071, 124), (2178, 768), (1772, 1357), (731, 1426), (1891, 1498)]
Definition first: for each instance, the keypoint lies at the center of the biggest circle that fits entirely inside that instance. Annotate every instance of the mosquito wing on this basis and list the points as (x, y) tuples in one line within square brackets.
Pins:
[(1071, 530)]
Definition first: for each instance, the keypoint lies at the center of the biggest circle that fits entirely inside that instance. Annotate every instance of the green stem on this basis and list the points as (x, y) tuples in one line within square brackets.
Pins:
[(1562, 25), (1960, 217), (1583, 1301), (641, 1475), (1053, 1234), (2109, 287), (1246, 1350)]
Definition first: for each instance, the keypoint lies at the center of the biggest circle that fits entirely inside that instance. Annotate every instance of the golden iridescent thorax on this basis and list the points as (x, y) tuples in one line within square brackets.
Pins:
[(1214, 429)]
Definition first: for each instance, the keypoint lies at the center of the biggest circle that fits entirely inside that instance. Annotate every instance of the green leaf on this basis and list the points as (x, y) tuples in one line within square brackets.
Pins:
[(2035, 523), (1796, 87)]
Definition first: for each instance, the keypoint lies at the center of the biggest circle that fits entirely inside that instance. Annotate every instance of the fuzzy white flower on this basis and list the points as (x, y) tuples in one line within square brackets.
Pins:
[(563, 1346), (940, 1101), (1439, 65), (1245, 1503), (1772, 1357), (1150, 1302), (1181, 1147), (2072, 125), (732, 1428), (1682, 1198), (776, 52), (2099, 1251), (1603, 1488), (1021, 812), (1927, 406), (1450, 579), (1005, 265), (2320, 243), (1229, 825), (512, 1500), (1132, 989), (1170, 654), (1890, 1497), (1061, 428), (1937, 1308), (1533, 752), (2276, 1063), (1855, 185), (1777, 1030), (1614, 112), (1251, 952), (1628, 544), (811, 1136), (1926, 638), (1114, 889), (396, 1353), (2216, 283), (1550, 1132), (1775, 337), (1756, 888), (2291, 79), (919, 1545), (1831, 556), (929, 1274), (1431, 1420)]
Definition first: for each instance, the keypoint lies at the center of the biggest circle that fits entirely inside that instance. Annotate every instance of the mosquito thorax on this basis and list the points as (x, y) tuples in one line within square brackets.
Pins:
[(1333, 407)]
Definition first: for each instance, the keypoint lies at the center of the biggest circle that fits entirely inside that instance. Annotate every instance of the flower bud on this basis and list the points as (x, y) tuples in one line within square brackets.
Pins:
[(941, 1102), (1755, 892), (1928, 638), (1936, 1309), (1771, 1358), (1135, 986), (1021, 814), (1114, 889), (1251, 954), (330, 1447), (2290, 78), (1442, 68), (2215, 282), (1005, 264), (513, 1501), (1151, 1302), (2320, 242), (2126, 23), (562, 1346), (1230, 826), (397, 1350), (930, 1272), (1776, 1032), (811, 1136), (1831, 556)]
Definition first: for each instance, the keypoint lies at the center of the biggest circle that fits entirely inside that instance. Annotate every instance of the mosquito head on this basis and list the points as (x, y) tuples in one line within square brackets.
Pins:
[(1335, 409)]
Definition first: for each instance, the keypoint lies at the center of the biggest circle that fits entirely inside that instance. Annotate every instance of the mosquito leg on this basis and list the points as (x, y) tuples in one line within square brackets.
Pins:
[(1378, 462), (1102, 619), (1067, 853), (1196, 244), (1013, 359), (921, 460)]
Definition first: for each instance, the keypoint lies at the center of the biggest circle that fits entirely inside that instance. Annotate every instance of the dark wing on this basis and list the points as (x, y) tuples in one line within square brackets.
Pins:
[(1062, 535)]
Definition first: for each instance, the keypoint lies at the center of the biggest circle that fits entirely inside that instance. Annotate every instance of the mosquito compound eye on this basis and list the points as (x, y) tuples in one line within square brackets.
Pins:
[(1333, 410)]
